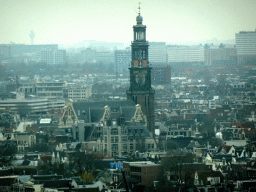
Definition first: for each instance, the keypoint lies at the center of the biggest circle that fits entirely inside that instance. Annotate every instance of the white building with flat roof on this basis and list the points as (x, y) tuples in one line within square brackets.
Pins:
[(183, 53), (50, 89), (246, 43), (80, 93), (52, 57), (246, 47)]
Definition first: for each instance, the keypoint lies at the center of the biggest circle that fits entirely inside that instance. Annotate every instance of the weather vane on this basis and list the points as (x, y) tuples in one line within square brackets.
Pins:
[(139, 8)]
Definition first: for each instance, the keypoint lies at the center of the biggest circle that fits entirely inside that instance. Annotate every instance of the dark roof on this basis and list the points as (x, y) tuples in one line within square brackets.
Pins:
[(26, 162), (187, 122), (8, 181), (88, 132), (140, 129), (47, 177), (102, 104), (54, 183), (227, 157), (92, 112)]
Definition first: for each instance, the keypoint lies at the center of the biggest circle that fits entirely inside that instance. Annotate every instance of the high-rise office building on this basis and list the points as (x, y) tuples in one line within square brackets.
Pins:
[(46, 56), (122, 60), (157, 53), (52, 57), (246, 47), (89, 55), (60, 57)]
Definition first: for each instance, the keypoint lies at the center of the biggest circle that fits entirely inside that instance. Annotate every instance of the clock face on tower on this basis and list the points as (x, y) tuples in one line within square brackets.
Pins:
[(136, 63), (140, 77)]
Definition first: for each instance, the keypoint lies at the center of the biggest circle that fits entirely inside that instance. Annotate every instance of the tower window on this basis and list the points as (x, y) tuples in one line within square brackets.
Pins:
[(146, 101), (134, 98)]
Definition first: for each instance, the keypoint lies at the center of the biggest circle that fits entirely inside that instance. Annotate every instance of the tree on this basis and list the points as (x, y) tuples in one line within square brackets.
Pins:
[(83, 163), (7, 152), (87, 176), (174, 168)]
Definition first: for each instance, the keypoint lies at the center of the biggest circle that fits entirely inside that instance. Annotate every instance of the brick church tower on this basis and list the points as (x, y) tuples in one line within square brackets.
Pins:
[(140, 90)]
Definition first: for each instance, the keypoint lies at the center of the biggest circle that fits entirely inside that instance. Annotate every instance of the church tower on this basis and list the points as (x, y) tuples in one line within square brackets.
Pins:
[(140, 90)]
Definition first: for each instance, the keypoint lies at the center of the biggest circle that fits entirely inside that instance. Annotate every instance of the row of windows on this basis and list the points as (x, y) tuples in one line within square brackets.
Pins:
[(137, 177), (135, 169), (73, 97), (114, 147), (50, 89), (49, 94), (49, 84), (78, 91), (81, 94)]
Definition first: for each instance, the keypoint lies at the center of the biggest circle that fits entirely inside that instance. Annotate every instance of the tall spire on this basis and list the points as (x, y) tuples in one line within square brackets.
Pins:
[(139, 8), (139, 18)]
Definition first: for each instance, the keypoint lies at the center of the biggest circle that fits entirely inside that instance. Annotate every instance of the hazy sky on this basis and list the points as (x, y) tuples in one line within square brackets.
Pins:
[(71, 21)]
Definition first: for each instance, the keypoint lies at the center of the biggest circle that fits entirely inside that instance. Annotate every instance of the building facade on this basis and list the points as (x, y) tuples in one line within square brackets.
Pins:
[(182, 53), (60, 57), (50, 90), (161, 75), (80, 93), (52, 57), (219, 55), (145, 172)]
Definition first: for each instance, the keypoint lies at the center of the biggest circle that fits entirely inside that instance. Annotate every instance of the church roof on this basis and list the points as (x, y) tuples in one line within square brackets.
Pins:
[(92, 112)]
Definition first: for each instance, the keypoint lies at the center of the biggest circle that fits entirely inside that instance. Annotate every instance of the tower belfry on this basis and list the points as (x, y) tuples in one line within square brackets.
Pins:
[(140, 90)]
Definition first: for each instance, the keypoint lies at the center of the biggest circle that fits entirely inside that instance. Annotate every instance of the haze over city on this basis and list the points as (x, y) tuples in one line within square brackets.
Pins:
[(119, 95), (176, 22)]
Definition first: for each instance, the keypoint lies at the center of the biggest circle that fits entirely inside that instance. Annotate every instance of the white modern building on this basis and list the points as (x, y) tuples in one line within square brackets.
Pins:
[(157, 53), (51, 56), (122, 60), (46, 56), (60, 57), (105, 56), (182, 53), (50, 89), (28, 88), (246, 43), (80, 93), (246, 46), (26, 106)]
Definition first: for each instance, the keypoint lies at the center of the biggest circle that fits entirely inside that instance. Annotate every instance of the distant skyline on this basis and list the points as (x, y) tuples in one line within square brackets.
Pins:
[(172, 21)]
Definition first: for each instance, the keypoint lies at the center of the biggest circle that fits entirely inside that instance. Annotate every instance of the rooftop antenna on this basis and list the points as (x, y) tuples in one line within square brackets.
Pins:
[(32, 35)]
